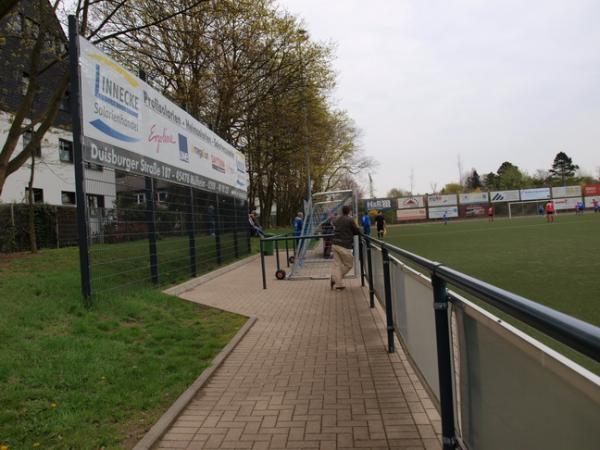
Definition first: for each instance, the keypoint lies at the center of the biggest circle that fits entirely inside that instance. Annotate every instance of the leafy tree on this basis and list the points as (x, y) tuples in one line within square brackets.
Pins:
[(396, 192), (510, 177), (563, 167), (452, 188), (474, 181), (491, 180)]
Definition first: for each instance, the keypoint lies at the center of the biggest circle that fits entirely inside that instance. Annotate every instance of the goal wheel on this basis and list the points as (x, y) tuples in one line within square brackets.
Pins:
[(280, 274), (291, 259)]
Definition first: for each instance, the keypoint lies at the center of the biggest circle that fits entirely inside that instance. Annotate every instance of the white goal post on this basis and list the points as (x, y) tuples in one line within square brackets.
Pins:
[(537, 204)]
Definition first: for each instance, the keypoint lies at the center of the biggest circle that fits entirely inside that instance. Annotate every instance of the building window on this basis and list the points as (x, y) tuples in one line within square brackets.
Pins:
[(68, 198), (27, 136), (95, 201), (24, 83), (161, 196), (92, 166), (65, 150), (38, 195), (140, 198)]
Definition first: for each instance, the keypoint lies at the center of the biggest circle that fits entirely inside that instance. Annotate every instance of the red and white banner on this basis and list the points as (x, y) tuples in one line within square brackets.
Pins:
[(411, 214), (438, 213), (590, 190), (561, 204), (473, 210), (566, 191), (441, 200), (411, 202), (473, 197), (589, 201)]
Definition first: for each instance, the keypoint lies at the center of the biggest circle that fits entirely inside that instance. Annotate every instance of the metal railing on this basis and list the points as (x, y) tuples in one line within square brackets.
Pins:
[(495, 386)]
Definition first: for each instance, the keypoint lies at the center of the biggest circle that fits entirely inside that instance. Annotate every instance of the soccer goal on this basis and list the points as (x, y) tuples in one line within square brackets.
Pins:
[(527, 208), (313, 255)]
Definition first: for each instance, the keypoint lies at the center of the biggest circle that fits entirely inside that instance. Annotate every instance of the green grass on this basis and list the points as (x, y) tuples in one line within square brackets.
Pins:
[(77, 378), (555, 264)]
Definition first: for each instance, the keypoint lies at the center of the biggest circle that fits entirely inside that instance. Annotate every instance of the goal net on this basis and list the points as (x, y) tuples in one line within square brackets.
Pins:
[(526, 208), (313, 255)]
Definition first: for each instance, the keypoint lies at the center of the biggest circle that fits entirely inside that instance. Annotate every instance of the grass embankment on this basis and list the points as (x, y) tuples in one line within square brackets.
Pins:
[(555, 264), (77, 378)]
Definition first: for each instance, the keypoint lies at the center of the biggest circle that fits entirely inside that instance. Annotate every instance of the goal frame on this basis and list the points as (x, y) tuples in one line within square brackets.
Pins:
[(522, 202)]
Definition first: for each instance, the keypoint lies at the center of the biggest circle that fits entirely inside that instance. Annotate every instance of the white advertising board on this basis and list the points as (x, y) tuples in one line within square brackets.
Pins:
[(561, 204), (473, 197), (130, 126), (438, 213), (589, 201), (566, 191), (411, 202), (411, 214), (504, 196), (535, 194), (379, 204), (441, 200)]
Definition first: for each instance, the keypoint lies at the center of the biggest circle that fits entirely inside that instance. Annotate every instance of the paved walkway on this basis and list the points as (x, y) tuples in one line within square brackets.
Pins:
[(313, 372)]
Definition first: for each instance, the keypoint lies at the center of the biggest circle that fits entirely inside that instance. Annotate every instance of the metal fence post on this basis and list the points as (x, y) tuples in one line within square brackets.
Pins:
[(287, 252), (277, 255), (192, 234), (442, 334), (370, 276), (218, 231), (262, 264), (151, 219), (81, 200), (361, 259), (236, 250), (388, 298)]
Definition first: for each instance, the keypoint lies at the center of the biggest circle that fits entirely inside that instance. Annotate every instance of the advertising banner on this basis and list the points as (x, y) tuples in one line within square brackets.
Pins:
[(473, 210), (589, 190), (505, 196), (411, 202), (379, 204), (561, 204), (535, 194), (438, 213), (130, 126), (411, 214), (441, 200), (566, 191), (589, 201), (472, 197)]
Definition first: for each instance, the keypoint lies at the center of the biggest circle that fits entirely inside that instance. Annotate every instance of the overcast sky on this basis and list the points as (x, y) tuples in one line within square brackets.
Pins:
[(491, 81)]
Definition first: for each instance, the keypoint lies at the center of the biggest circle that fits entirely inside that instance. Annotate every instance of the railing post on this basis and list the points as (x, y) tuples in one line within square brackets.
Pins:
[(362, 262), (388, 298), (236, 250), (262, 263), (370, 276), (442, 334), (218, 231), (287, 252), (277, 255)]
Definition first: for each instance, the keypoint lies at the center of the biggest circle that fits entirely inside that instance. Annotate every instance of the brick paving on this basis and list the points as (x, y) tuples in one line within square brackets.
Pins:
[(312, 373)]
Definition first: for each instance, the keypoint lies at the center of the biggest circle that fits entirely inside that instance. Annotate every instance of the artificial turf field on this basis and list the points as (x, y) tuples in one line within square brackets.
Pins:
[(556, 264)]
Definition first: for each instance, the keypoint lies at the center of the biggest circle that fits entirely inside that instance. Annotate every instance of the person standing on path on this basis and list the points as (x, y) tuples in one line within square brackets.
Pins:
[(380, 221), (345, 230), (298, 223)]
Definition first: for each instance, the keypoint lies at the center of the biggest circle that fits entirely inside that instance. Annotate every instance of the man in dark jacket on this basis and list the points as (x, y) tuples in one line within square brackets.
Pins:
[(345, 230)]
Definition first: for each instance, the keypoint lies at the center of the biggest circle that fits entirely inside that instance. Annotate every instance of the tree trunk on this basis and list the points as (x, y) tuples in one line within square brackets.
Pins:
[(32, 234)]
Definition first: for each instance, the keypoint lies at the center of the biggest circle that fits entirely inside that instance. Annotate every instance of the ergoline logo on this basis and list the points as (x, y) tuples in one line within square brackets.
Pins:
[(497, 197)]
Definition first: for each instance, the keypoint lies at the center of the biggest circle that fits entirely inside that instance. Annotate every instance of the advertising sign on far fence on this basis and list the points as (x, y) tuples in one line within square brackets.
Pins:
[(379, 204), (473, 210), (472, 197), (411, 202), (441, 200), (561, 204), (130, 126), (504, 196), (535, 194), (438, 213), (566, 191), (411, 214), (589, 201), (589, 190)]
